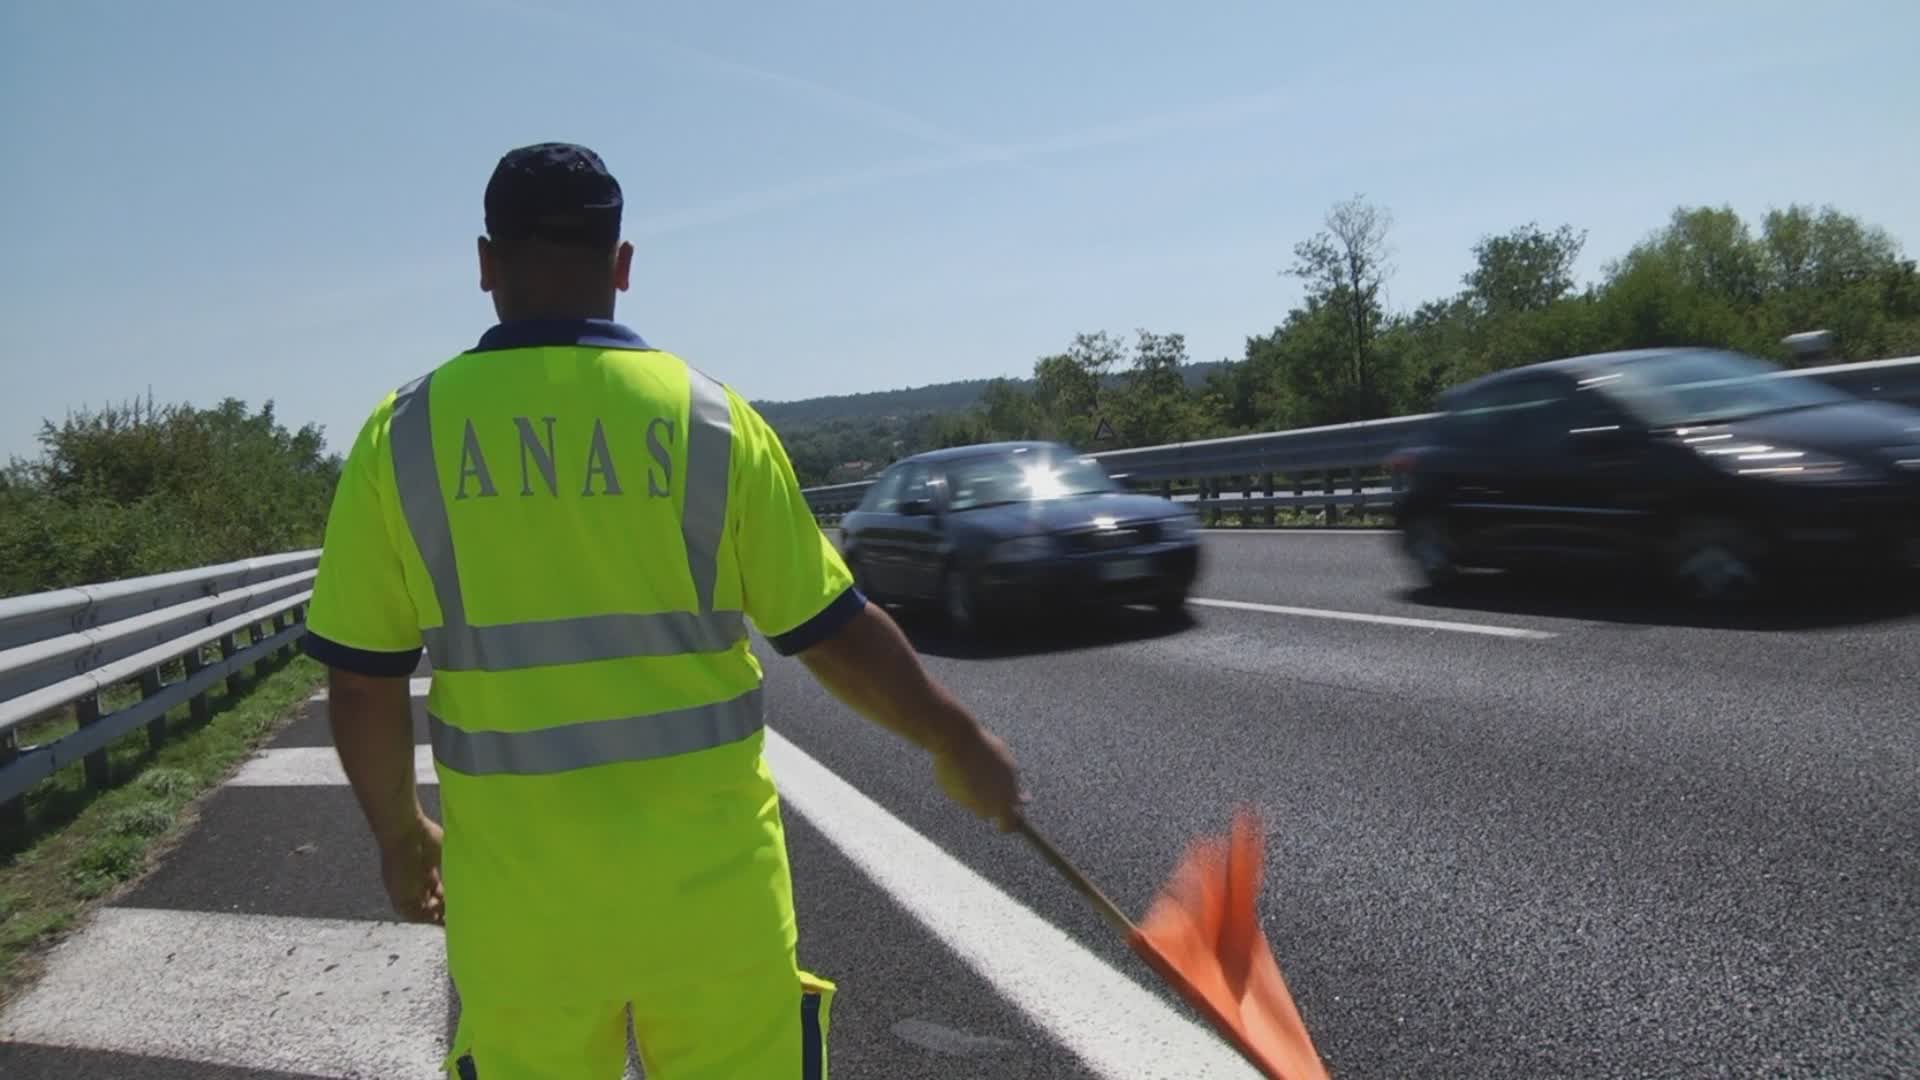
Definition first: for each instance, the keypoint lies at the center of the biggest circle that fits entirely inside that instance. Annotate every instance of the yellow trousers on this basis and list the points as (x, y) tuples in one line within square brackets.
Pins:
[(772, 1027)]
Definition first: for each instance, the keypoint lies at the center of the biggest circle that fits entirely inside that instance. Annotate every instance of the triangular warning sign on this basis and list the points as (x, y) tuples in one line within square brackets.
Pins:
[(1103, 431)]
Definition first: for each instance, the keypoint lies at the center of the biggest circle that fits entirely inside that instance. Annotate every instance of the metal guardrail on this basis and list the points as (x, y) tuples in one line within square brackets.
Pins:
[(67, 647), (1330, 467)]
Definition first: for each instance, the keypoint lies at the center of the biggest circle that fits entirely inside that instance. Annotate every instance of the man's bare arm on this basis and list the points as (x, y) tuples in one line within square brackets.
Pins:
[(373, 732), (871, 666)]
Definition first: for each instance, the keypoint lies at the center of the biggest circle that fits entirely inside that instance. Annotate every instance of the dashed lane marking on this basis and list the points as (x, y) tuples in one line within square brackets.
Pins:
[(317, 997), (1385, 620)]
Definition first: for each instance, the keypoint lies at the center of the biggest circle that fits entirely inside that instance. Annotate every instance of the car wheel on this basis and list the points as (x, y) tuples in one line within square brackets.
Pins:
[(1712, 560), (1430, 545), (862, 580), (958, 601), (1171, 605)]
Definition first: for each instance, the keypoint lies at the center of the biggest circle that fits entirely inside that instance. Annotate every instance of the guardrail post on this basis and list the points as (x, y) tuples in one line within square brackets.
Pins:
[(197, 707), (150, 686), (98, 768), (1273, 512), (15, 812), (280, 624), (228, 646)]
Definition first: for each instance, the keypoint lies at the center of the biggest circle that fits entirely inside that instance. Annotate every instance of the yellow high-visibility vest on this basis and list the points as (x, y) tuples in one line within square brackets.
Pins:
[(575, 528)]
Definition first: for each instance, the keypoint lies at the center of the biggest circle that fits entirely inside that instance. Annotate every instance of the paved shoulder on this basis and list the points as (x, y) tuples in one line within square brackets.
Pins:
[(263, 949)]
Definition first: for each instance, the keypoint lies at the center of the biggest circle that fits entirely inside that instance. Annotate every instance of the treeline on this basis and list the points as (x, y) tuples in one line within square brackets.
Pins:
[(143, 489), (1707, 277), (913, 400)]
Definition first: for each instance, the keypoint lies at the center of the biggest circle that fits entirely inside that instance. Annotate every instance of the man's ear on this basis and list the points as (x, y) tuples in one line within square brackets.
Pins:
[(484, 251), (622, 265)]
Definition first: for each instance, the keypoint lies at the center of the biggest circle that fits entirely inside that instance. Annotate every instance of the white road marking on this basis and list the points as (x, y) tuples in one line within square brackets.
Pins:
[(418, 687), (1115, 1026), (1388, 620), (1228, 530), (321, 997), (315, 766), (371, 998)]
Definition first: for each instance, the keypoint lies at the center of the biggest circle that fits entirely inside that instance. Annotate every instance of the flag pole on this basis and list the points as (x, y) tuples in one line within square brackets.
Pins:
[(1108, 909), (1160, 964)]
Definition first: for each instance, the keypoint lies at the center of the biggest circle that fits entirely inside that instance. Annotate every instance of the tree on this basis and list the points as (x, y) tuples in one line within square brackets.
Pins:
[(1345, 269), (1155, 406), (1065, 394), (1710, 250), (1824, 250), (1007, 412), (142, 489), (1525, 269), (1098, 354)]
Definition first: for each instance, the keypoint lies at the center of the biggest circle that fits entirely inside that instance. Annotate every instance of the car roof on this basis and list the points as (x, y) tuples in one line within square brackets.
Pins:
[(1573, 367), (992, 449)]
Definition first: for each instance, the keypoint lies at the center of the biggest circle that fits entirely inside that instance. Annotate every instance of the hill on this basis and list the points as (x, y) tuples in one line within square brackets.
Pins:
[(934, 399)]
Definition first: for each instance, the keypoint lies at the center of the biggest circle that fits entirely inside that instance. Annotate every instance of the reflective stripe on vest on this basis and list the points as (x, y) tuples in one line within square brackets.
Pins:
[(596, 742), (457, 645)]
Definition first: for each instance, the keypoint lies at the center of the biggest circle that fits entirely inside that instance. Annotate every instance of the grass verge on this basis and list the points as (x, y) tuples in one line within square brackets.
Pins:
[(80, 844)]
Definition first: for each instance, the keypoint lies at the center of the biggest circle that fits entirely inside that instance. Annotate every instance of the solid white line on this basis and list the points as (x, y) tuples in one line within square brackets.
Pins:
[(317, 997), (1387, 620), (418, 687), (315, 766), (1115, 1026), (1225, 530)]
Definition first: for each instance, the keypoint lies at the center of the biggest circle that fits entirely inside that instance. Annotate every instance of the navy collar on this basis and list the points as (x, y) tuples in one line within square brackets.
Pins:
[(533, 333)]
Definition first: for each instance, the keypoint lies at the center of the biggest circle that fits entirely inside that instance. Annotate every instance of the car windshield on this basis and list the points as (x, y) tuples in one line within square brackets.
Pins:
[(1022, 476), (1704, 387)]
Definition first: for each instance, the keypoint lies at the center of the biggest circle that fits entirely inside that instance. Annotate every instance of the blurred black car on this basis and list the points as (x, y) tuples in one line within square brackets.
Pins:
[(1713, 469), (1018, 527)]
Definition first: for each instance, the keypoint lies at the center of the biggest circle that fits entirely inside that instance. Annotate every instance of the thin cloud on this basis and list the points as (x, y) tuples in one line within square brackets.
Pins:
[(886, 116), (1219, 113), (964, 152)]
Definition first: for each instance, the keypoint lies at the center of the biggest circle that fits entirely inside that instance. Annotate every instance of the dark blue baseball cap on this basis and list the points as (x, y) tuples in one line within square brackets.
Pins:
[(561, 192)]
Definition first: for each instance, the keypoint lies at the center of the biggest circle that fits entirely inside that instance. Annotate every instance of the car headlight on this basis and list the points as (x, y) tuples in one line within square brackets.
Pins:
[(1771, 461), (1025, 549)]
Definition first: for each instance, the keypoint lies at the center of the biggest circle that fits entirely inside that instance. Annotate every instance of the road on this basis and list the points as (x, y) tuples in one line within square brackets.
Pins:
[(1510, 836)]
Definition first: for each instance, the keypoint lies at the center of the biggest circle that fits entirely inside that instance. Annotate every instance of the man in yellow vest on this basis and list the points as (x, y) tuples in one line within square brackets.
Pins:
[(576, 527)]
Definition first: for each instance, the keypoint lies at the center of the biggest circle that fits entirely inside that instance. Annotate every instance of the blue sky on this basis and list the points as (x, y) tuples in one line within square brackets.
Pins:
[(278, 200)]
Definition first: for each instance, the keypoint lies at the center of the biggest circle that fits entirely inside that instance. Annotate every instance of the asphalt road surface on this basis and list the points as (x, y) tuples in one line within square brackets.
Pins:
[(1511, 835)]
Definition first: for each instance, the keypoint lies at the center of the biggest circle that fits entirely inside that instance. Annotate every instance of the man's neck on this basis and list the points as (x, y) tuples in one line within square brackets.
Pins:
[(558, 313)]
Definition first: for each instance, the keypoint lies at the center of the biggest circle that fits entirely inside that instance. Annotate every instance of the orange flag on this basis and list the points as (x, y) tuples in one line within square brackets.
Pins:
[(1203, 937)]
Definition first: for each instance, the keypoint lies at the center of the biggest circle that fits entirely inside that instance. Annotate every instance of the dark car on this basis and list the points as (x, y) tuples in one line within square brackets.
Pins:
[(1003, 528), (1712, 468)]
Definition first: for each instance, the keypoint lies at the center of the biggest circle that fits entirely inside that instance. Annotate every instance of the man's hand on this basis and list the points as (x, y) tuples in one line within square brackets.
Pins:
[(870, 666), (372, 724), (977, 771), (410, 866)]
